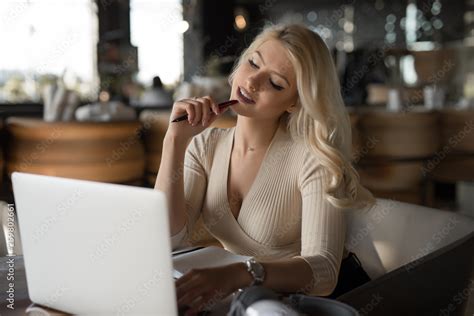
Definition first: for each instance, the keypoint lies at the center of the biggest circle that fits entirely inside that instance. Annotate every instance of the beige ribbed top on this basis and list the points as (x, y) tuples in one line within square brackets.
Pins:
[(284, 213)]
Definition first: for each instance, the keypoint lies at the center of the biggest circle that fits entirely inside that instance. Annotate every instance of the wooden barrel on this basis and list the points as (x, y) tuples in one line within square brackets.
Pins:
[(413, 195), (106, 151), (457, 130), (411, 134), (356, 146), (452, 168), (151, 179), (155, 126), (153, 161), (391, 175), (136, 183)]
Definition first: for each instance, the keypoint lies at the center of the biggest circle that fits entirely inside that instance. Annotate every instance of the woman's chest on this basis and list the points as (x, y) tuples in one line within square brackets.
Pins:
[(260, 199), (242, 175)]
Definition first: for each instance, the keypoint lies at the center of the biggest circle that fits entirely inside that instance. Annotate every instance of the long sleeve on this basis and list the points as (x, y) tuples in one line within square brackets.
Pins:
[(323, 229), (195, 184)]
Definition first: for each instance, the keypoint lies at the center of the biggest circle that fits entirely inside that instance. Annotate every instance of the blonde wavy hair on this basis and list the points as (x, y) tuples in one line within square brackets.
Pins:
[(321, 119)]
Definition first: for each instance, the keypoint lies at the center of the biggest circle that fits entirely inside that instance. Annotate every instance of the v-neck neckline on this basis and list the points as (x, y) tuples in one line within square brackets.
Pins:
[(257, 176)]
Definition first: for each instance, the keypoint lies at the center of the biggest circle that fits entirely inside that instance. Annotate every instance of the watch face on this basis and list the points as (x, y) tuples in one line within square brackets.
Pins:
[(259, 272), (259, 269)]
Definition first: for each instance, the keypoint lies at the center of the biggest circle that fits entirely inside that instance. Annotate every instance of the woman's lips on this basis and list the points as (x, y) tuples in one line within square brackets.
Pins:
[(242, 98)]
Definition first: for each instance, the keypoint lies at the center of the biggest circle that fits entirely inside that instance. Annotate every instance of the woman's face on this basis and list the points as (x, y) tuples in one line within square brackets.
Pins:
[(265, 83)]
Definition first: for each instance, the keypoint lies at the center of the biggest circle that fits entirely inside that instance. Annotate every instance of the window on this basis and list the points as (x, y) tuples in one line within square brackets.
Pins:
[(157, 28), (43, 40)]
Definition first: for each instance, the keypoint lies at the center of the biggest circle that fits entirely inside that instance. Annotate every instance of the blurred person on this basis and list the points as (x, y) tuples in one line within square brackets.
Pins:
[(156, 96)]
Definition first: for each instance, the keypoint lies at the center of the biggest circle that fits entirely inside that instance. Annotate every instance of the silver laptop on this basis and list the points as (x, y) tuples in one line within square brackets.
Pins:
[(95, 248)]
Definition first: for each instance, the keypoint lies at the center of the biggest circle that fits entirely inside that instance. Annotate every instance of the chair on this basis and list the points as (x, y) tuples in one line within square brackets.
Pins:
[(420, 259)]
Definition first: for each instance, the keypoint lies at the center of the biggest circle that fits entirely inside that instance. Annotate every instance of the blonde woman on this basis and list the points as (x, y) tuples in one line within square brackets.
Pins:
[(275, 186)]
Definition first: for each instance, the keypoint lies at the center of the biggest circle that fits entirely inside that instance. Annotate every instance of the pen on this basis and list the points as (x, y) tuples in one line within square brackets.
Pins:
[(220, 105)]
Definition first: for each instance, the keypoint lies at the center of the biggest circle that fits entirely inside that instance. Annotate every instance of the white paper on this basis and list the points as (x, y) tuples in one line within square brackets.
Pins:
[(207, 257)]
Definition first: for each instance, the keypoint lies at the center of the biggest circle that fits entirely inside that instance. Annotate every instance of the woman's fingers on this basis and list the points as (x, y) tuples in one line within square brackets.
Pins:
[(187, 281), (215, 110), (201, 289), (206, 110), (213, 105), (200, 110), (189, 297), (190, 110), (200, 303), (182, 107), (197, 111)]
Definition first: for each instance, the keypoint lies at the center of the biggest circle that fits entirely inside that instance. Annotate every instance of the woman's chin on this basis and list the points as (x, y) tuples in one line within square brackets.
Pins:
[(241, 108)]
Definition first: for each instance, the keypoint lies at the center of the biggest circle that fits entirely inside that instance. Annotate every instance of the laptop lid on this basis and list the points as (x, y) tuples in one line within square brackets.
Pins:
[(95, 248)]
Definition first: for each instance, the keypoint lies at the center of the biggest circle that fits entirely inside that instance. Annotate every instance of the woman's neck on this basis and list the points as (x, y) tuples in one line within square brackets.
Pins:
[(253, 135)]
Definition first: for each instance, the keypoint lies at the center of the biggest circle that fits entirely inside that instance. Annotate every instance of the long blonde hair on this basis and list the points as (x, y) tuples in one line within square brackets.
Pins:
[(321, 119)]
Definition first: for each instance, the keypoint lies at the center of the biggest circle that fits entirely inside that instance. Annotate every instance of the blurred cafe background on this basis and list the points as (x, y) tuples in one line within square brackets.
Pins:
[(86, 86)]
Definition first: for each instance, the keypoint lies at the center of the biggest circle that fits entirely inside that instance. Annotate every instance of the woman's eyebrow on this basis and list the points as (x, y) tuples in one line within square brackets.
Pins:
[(276, 73)]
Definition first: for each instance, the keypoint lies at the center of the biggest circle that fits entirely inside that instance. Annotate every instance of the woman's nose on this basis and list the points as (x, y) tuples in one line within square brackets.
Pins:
[(253, 84)]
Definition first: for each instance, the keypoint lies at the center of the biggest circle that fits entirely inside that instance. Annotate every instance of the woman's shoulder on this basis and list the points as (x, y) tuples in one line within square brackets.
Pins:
[(297, 148), (304, 157)]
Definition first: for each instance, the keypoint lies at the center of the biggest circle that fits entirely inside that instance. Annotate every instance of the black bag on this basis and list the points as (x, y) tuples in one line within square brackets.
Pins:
[(351, 275)]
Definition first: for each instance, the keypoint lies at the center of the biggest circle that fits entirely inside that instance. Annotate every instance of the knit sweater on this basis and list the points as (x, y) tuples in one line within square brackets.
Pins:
[(284, 214)]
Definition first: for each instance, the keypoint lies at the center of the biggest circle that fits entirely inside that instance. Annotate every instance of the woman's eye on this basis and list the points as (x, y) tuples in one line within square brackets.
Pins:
[(274, 85), (252, 64), (279, 88)]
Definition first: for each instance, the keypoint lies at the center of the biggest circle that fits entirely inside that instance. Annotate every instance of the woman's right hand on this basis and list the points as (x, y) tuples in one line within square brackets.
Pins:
[(201, 113)]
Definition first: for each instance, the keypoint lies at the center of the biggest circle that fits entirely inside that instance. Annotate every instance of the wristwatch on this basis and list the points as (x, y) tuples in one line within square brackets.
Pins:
[(256, 270)]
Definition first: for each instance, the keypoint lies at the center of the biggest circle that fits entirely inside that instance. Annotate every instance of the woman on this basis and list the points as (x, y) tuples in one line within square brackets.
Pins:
[(275, 186)]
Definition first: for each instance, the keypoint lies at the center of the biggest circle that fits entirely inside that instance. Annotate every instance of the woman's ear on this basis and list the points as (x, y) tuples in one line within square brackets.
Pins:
[(291, 109)]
